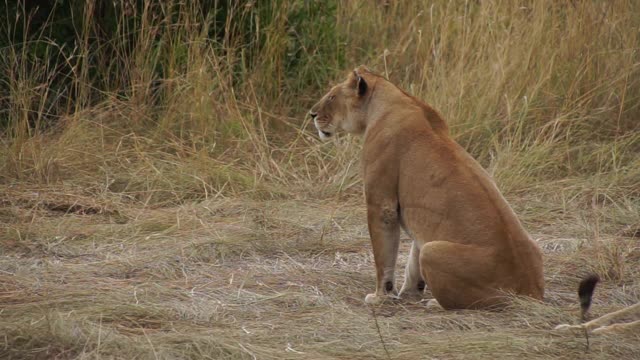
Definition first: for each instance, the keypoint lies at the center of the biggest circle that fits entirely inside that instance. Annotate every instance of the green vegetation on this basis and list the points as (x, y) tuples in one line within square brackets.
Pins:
[(163, 195), (186, 90)]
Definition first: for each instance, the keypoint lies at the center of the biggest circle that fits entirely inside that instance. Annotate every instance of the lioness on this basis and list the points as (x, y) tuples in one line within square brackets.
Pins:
[(468, 244)]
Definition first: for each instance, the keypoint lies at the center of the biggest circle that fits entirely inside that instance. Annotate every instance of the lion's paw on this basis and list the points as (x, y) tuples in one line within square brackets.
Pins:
[(409, 294), (608, 329), (564, 327), (374, 299), (433, 304)]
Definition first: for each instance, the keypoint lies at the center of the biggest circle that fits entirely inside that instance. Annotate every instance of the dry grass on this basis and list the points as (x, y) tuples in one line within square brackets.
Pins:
[(237, 278), (186, 210)]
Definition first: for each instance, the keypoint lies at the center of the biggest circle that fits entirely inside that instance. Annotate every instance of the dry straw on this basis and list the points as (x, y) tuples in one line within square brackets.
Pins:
[(179, 214)]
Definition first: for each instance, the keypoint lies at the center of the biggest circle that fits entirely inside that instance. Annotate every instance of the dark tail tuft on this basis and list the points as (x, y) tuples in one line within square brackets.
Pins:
[(585, 292)]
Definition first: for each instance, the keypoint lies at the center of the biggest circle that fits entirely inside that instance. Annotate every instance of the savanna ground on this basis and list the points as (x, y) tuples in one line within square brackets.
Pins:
[(163, 195)]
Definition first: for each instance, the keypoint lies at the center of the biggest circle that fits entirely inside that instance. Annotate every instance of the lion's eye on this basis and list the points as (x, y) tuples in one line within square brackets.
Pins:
[(332, 97)]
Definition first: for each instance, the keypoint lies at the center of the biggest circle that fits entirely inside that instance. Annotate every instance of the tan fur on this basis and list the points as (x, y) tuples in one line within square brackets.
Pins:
[(469, 246)]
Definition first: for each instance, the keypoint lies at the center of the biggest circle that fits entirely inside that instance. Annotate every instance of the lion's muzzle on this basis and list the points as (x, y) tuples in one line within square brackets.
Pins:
[(324, 135)]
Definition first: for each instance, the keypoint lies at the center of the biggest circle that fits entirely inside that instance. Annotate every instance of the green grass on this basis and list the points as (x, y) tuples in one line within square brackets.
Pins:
[(175, 202)]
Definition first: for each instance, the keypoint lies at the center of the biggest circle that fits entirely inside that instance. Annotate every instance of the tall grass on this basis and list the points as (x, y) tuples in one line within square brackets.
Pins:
[(139, 154), (178, 104)]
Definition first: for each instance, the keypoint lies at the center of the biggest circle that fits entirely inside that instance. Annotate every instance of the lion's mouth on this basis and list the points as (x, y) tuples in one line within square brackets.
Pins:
[(324, 134)]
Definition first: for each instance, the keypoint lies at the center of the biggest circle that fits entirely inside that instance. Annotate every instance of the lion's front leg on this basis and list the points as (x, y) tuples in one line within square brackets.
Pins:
[(384, 229), (414, 284)]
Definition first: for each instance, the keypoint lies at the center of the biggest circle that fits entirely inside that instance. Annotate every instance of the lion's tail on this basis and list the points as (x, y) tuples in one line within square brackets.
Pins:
[(585, 292)]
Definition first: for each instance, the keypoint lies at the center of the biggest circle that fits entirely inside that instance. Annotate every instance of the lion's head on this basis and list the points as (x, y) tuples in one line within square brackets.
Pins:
[(342, 108)]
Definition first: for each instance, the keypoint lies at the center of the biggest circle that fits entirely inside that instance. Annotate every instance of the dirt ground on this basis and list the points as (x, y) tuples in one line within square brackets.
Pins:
[(86, 276)]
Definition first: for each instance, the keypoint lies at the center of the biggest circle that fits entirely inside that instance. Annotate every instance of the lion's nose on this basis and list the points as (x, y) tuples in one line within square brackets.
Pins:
[(313, 114)]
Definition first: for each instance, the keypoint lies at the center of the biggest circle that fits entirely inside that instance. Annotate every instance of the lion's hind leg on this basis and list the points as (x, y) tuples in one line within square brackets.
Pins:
[(601, 324), (600, 328), (461, 276), (621, 327)]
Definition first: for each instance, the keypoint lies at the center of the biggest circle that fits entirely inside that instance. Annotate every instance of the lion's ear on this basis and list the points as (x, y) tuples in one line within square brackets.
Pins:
[(361, 84)]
